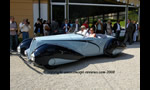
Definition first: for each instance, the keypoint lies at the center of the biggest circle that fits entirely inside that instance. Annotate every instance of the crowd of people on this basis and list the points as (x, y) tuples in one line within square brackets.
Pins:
[(45, 28), (24, 27), (132, 29)]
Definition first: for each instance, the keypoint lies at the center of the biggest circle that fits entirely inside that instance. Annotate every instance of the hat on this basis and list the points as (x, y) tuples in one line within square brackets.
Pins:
[(83, 26)]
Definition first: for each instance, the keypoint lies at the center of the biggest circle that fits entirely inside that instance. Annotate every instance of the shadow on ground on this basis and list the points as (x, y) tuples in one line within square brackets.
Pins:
[(134, 45), (78, 65), (83, 63)]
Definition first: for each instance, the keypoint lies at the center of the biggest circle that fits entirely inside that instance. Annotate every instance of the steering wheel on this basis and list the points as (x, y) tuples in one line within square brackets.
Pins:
[(79, 34)]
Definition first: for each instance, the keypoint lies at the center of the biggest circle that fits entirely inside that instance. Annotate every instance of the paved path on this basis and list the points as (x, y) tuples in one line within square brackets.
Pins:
[(95, 73)]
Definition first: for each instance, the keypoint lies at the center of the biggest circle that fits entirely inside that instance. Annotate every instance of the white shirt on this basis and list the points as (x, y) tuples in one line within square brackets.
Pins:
[(136, 26), (127, 25), (24, 28), (76, 29), (99, 26), (84, 32), (118, 27), (66, 27)]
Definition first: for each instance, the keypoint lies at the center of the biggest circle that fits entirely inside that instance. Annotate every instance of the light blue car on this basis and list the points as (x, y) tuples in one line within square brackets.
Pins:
[(51, 51)]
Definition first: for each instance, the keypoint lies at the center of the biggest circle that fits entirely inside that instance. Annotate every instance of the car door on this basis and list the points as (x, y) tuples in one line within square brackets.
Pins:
[(91, 46)]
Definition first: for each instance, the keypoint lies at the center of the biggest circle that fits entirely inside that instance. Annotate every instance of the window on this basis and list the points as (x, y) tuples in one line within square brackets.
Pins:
[(58, 0), (94, 1)]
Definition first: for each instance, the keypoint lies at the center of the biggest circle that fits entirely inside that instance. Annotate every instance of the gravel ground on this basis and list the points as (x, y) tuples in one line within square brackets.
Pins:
[(94, 73)]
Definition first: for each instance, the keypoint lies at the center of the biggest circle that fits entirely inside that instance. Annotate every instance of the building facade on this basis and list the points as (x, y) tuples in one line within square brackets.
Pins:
[(65, 9), (22, 9)]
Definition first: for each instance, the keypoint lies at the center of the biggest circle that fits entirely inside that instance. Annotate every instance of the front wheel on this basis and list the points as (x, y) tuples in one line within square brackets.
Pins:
[(49, 67), (50, 64)]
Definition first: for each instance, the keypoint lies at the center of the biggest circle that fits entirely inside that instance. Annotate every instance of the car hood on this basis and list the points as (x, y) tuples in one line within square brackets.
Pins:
[(60, 41), (60, 37), (54, 39)]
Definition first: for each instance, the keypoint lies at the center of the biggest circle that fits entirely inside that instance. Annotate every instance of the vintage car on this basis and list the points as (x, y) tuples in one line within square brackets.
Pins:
[(50, 51)]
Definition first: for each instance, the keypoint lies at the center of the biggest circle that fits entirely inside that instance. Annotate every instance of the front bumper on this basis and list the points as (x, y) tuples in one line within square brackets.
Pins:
[(18, 50)]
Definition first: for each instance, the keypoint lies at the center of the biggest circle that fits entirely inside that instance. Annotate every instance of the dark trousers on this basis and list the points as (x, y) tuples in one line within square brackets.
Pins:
[(13, 42), (128, 35), (99, 31), (117, 34), (133, 35)]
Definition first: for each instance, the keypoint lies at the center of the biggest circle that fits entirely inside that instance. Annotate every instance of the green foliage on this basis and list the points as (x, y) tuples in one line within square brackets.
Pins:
[(133, 15), (122, 23)]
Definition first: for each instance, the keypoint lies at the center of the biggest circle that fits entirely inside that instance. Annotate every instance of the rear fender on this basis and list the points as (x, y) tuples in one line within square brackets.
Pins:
[(112, 46)]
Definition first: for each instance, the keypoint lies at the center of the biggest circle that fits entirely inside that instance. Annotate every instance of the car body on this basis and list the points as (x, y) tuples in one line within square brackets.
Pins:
[(50, 51)]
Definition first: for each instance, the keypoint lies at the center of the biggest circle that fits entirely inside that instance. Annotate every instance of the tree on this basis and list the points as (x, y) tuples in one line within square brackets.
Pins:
[(133, 15)]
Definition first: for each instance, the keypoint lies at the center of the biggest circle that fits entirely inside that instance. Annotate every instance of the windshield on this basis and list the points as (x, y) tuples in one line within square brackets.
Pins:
[(101, 36), (85, 33)]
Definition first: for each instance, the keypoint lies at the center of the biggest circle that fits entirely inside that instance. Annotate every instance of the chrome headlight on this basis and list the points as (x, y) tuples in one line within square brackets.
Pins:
[(25, 52), (32, 57), (18, 49)]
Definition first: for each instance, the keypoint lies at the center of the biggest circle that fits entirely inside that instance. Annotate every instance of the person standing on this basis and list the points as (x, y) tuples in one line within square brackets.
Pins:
[(109, 28), (104, 27), (13, 34), (49, 24), (139, 32), (99, 27), (65, 26), (38, 27), (70, 23), (54, 27), (129, 30), (117, 29), (46, 28), (94, 26), (135, 32), (25, 27), (134, 28), (76, 26), (86, 24)]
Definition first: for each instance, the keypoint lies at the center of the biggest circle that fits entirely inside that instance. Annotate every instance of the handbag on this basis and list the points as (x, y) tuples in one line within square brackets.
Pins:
[(47, 28)]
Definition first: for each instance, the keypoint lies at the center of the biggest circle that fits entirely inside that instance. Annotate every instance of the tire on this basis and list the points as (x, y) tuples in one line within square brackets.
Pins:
[(114, 56), (49, 67), (111, 46)]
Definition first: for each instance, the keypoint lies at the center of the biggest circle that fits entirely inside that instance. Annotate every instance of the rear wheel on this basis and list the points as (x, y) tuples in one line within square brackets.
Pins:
[(114, 56), (113, 48)]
